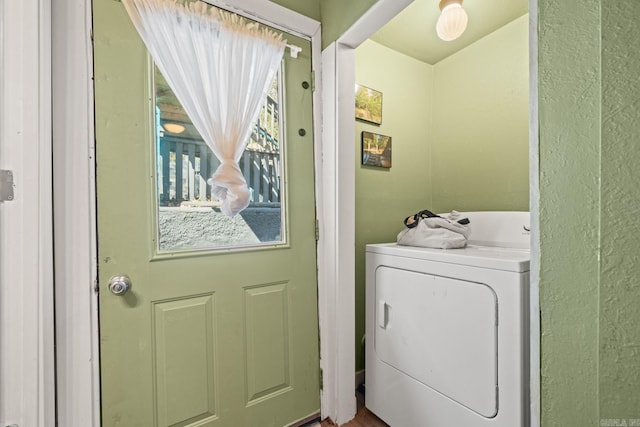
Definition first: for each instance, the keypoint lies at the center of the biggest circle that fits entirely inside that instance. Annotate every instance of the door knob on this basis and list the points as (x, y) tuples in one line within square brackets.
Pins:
[(119, 284)]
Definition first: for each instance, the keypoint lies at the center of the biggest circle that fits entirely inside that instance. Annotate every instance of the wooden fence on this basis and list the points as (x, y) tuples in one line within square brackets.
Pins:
[(184, 166)]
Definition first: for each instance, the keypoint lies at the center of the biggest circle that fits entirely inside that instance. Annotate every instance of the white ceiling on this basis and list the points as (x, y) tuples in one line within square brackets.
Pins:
[(413, 31)]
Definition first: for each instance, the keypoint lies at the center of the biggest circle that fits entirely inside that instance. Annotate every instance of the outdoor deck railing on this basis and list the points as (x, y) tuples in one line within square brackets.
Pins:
[(185, 166)]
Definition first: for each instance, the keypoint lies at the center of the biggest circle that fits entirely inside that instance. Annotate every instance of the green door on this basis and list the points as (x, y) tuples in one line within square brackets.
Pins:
[(206, 337)]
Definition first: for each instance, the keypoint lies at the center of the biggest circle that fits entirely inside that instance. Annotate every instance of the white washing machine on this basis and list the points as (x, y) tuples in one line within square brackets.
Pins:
[(447, 330)]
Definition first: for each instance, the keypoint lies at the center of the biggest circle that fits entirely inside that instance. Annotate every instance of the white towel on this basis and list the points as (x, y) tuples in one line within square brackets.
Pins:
[(437, 223), (436, 232)]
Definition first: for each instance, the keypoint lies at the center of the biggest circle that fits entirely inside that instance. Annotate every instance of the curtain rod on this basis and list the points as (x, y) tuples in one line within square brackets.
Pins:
[(294, 50)]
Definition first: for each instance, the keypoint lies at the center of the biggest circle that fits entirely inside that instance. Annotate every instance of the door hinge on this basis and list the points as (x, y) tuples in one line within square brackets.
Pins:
[(317, 230), (321, 380), (6, 185)]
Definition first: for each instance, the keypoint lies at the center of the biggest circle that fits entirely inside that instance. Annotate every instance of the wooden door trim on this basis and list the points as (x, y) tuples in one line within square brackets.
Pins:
[(336, 249), (27, 379), (78, 381)]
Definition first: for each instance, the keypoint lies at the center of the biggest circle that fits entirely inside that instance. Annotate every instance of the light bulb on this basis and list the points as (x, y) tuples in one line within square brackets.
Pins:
[(452, 22)]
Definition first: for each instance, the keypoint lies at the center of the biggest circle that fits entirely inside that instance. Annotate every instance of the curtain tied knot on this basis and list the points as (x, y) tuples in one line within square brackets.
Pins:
[(229, 186)]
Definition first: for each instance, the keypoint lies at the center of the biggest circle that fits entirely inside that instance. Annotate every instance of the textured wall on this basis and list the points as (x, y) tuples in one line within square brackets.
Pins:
[(619, 332), (569, 114), (384, 197), (589, 200), (480, 156)]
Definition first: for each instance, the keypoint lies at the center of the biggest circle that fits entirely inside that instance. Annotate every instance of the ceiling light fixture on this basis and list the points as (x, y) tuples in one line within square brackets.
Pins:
[(452, 21), (173, 128)]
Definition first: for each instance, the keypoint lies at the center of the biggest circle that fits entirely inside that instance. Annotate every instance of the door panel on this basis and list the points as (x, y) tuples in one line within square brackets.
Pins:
[(210, 338), (266, 341), (183, 370)]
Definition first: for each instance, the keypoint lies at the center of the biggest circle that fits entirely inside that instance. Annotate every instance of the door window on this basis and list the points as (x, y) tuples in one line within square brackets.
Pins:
[(188, 216)]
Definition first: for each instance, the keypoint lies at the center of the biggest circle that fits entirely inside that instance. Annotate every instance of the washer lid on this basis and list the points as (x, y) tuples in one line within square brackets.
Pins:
[(495, 258)]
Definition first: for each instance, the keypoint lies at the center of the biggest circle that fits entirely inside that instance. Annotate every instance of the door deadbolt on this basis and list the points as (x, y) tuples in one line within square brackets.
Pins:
[(119, 284)]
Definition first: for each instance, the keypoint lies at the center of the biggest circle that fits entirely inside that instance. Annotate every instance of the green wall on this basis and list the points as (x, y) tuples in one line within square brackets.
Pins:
[(310, 8), (619, 367), (589, 57), (336, 16), (339, 15), (480, 148), (384, 197), (453, 125), (569, 115)]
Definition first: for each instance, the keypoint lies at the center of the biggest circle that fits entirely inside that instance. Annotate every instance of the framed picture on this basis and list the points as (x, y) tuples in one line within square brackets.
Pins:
[(376, 150), (368, 105)]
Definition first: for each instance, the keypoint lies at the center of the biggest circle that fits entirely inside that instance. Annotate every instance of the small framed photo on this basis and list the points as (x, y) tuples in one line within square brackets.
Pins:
[(376, 150), (368, 105)]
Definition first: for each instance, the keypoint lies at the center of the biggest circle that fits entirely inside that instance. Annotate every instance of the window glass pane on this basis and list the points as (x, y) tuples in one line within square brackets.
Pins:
[(189, 217)]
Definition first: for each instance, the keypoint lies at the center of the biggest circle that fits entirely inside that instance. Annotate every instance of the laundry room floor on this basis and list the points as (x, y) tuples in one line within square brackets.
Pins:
[(364, 417)]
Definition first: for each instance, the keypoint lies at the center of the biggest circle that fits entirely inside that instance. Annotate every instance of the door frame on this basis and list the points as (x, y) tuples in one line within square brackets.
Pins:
[(27, 381), (535, 405), (337, 212), (76, 299)]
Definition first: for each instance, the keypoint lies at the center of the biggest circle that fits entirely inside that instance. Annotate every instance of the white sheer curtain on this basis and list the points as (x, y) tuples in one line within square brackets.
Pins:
[(220, 68)]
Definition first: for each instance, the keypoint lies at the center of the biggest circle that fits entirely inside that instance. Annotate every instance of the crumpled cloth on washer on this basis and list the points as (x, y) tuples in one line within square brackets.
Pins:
[(428, 230)]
